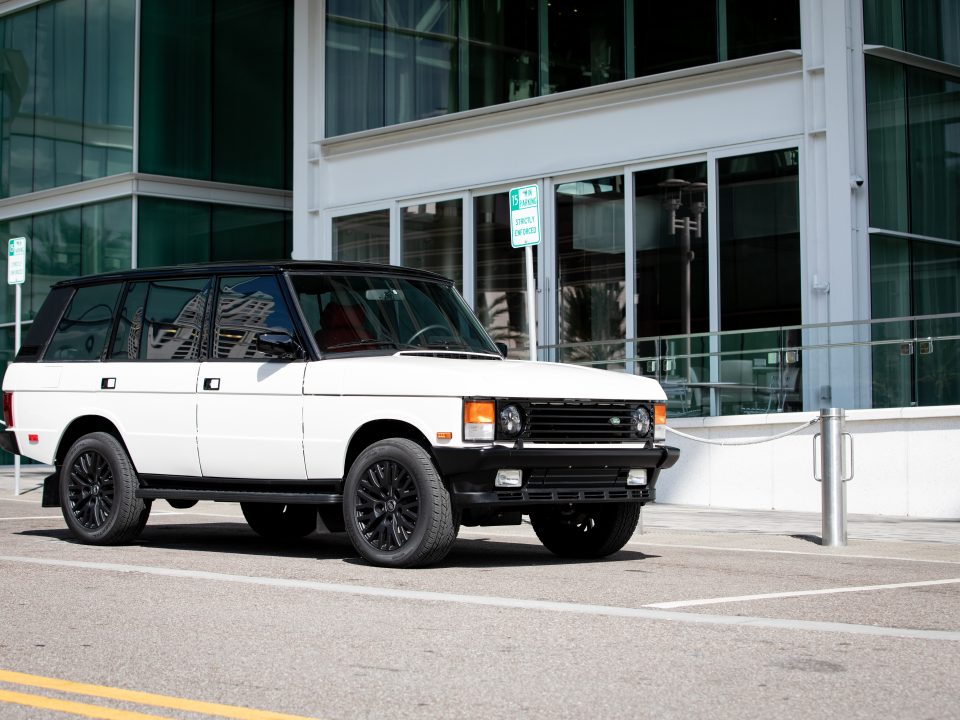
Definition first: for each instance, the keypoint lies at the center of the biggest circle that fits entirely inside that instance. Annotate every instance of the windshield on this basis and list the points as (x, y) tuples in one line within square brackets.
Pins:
[(353, 313)]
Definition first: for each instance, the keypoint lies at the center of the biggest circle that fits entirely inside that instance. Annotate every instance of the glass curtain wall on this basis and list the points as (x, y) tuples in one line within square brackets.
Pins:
[(216, 94), (501, 286), (174, 232), (66, 94), (393, 61), (913, 135), (63, 244), (591, 271), (432, 238)]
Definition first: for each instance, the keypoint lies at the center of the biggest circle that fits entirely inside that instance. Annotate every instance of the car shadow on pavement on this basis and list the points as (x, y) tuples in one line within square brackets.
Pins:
[(237, 539)]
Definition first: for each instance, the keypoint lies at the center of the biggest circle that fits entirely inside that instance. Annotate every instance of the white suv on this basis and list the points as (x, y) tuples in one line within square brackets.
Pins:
[(367, 395)]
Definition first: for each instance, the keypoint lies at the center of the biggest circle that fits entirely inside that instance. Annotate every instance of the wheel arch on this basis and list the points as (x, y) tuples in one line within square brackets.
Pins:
[(84, 425), (377, 430)]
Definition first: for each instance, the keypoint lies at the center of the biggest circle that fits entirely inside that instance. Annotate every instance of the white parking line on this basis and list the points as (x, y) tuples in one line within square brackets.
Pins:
[(35, 517), (821, 554), (799, 593), (503, 602)]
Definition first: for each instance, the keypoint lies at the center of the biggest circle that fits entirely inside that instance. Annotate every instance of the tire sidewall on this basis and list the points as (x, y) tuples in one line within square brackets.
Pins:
[(419, 466), (124, 488)]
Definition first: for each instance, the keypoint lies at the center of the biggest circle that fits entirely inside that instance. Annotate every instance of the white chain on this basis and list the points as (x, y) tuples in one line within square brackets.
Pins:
[(745, 442)]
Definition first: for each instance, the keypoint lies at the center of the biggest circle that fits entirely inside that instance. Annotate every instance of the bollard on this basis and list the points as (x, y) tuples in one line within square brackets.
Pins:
[(833, 489)]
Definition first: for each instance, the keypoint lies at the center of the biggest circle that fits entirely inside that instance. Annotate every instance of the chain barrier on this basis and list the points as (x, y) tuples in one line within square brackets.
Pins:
[(706, 441)]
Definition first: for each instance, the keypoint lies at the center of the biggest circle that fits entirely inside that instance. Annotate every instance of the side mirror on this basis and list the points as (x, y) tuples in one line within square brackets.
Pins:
[(502, 347), (280, 345)]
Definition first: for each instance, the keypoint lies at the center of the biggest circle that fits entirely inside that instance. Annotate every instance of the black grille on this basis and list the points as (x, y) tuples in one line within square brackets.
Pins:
[(580, 421)]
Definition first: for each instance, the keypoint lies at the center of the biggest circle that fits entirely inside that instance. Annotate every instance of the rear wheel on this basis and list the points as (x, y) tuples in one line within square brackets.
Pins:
[(586, 531), (98, 492), (276, 521), (396, 509)]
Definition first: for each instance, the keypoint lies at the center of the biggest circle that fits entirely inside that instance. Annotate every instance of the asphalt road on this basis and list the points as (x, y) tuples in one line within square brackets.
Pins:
[(678, 625)]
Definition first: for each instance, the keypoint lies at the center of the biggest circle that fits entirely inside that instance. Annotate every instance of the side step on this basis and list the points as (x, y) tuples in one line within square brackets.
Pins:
[(236, 495)]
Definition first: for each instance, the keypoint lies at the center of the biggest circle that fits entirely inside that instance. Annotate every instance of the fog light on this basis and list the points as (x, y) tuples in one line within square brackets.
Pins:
[(637, 476), (509, 479)]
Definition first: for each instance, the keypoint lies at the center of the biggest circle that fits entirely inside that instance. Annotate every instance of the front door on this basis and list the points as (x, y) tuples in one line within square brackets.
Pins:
[(250, 400)]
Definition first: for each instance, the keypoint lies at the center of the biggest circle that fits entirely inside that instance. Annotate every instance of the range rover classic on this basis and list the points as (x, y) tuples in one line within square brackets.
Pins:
[(351, 397)]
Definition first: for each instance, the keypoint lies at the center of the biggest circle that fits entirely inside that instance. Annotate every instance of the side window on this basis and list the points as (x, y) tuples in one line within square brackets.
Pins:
[(82, 331), (162, 320), (247, 307)]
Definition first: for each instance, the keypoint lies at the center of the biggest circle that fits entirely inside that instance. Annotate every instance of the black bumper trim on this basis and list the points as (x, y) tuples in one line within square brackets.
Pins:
[(459, 461)]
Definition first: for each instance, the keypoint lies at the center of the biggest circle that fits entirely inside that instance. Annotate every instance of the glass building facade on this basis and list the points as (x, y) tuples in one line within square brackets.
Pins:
[(913, 126), (395, 61), (124, 167)]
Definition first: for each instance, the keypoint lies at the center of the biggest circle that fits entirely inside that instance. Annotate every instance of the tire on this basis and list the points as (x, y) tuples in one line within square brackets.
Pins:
[(98, 492), (276, 521), (586, 531), (396, 509), (179, 504)]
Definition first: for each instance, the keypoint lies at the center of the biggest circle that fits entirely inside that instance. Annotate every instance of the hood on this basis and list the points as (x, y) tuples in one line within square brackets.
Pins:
[(413, 375)]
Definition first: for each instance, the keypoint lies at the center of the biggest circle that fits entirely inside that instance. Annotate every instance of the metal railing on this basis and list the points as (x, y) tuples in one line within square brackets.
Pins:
[(892, 362)]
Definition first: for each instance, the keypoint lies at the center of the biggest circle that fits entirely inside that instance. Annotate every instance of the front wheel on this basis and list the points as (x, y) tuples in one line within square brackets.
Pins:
[(586, 531), (396, 509), (98, 492)]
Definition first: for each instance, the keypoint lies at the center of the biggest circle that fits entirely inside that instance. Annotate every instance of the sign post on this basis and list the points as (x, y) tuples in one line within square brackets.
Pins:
[(525, 233), (16, 274)]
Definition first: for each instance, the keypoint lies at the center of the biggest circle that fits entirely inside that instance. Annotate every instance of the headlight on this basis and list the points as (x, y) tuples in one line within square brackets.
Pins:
[(510, 421), (642, 421)]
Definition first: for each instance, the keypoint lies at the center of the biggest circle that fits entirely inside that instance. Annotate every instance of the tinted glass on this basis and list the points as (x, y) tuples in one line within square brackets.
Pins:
[(175, 232), (67, 100), (356, 313), (246, 308), (659, 51), (922, 27), (759, 238), (364, 237), (216, 90), (586, 44), (82, 331), (754, 28), (162, 320), (591, 270), (433, 238), (501, 43), (501, 293)]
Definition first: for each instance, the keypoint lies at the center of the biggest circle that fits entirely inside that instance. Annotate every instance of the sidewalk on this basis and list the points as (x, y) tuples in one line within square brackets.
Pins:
[(682, 518)]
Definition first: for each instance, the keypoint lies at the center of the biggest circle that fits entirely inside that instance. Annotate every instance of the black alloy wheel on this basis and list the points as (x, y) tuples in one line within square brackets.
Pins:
[(388, 505), (90, 490), (396, 509), (98, 492)]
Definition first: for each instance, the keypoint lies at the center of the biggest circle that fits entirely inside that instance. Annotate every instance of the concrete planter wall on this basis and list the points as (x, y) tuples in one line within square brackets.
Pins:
[(906, 463)]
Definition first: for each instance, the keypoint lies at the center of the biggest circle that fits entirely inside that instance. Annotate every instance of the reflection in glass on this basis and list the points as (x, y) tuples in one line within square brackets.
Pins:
[(591, 272), (586, 44), (433, 238), (501, 289), (922, 27), (364, 237), (247, 307), (83, 329), (502, 41)]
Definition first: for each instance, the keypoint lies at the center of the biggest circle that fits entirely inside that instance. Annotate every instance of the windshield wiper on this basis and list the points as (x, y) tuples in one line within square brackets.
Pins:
[(361, 342)]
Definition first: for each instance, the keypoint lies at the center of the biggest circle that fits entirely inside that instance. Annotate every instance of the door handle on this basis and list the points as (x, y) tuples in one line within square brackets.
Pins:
[(108, 383), (211, 383)]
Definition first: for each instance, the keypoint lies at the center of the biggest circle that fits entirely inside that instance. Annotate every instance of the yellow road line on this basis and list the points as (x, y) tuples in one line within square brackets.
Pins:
[(141, 698), (74, 708)]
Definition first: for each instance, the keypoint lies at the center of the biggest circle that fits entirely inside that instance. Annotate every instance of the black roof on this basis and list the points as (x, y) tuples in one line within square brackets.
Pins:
[(244, 268)]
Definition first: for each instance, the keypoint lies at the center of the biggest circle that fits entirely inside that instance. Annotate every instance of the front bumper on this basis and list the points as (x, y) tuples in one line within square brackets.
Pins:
[(551, 475)]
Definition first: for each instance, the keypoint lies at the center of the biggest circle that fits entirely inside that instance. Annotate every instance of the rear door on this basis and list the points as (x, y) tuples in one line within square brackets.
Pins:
[(250, 398), (149, 382)]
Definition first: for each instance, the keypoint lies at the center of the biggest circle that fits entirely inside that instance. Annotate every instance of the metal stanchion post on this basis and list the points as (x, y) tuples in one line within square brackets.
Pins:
[(833, 490)]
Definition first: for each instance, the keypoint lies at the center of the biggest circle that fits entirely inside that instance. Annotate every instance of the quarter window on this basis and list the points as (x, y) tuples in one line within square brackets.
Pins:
[(82, 332)]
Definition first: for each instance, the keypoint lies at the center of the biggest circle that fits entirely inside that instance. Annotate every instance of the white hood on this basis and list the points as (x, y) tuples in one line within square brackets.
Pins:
[(420, 376)]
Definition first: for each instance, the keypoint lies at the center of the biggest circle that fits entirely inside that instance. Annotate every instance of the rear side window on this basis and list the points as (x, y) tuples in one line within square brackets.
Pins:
[(82, 331), (247, 307), (161, 320)]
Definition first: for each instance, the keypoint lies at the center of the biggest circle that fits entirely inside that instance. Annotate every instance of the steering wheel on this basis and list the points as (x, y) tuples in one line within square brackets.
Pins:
[(422, 330)]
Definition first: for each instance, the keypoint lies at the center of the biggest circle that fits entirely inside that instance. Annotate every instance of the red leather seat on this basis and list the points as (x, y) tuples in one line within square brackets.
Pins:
[(341, 324)]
